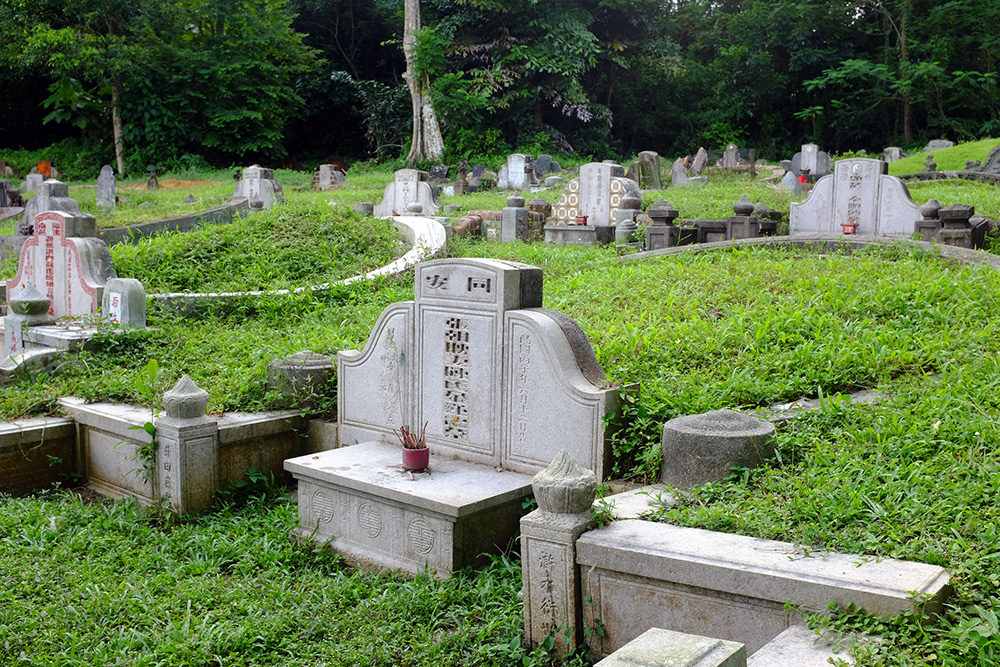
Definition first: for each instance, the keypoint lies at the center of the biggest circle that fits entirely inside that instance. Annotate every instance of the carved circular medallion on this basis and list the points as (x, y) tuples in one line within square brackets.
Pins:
[(370, 520), (323, 506), (421, 536)]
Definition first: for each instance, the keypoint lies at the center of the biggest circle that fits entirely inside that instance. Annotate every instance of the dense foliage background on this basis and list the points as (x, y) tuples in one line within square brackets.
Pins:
[(297, 81)]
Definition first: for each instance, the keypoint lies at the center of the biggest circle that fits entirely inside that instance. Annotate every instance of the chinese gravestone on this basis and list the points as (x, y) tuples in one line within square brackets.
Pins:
[(409, 186)]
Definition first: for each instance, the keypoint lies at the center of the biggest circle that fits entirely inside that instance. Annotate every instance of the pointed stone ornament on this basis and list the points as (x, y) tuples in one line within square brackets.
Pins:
[(33, 305), (930, 209), (565, 487), (186, 400), (743, 207)]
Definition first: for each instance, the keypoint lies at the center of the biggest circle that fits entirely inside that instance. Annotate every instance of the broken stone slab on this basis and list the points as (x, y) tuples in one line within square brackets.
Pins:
[(661, 648), (798, 646)]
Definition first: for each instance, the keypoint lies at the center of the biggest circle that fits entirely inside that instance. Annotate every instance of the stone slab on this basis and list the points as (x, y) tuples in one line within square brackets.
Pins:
[(106, 188), (452, 488), (408, 186), (579, 235), (798, 646), (359, 500), (761, 569), (665, 648)]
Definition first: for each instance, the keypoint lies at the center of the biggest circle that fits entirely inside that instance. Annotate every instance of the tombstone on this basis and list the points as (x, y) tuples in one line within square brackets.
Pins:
[(439, 173), (893, 153), (544, 163), (52, 195), (106, 189), (258, 186), (679, 177), (330, 178), (649, 171), (153, 183), (991, 165), (929, 165), (731, 157), (460, 185), (860, 193), (499, 382), (124, 303), (700, 162), (514, 221), (32, 183), (516, 174), (791, 182), (596, 194), (810, 161), (410, 185), (66, 262), (6, 194), (938, 144)]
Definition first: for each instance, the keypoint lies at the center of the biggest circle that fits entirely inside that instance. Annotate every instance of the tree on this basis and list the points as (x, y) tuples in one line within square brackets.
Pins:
[(427, 142)]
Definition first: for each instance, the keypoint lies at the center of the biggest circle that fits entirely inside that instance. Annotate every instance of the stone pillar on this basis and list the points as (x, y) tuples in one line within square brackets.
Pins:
[(514, 221), (928, 227), (187, 455), (649, 171), (28, 308), (662, 233), (956, 228), (552, 603), (743, 225), (124, 303), (631, 206)]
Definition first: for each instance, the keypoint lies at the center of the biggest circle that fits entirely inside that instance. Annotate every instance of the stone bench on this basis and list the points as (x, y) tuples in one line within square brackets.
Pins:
[(501, 384)]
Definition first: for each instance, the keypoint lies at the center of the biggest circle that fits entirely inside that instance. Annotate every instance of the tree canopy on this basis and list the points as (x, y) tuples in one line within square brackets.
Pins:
[(273, 80)]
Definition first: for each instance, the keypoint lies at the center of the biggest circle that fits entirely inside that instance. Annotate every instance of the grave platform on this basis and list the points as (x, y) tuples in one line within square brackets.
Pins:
[(360, 501)]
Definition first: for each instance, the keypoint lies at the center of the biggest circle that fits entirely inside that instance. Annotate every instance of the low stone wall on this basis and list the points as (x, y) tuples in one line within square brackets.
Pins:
[(992, 179), (184, 223), (36, 453), (425, 236)]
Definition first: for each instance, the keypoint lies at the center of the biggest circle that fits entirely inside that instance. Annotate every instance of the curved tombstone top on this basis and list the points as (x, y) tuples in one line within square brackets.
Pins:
[(497, 379)]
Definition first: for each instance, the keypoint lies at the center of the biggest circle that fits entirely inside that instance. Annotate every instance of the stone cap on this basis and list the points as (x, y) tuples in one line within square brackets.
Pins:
[(515, 201), (930, 209), (186, 400), (631, 202), (564, 487), (956, 212), (723, 423), (743, 207)]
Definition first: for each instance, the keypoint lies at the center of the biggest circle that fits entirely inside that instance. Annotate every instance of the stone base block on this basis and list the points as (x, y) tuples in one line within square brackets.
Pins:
[(657, 647), (579, 234), (360, 502)]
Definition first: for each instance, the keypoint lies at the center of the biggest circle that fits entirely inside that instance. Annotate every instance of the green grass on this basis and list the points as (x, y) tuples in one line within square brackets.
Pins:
[(112, 583), (953, 158)]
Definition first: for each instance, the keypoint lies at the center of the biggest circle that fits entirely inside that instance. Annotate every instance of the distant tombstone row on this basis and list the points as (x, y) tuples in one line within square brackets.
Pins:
[(410, 188)]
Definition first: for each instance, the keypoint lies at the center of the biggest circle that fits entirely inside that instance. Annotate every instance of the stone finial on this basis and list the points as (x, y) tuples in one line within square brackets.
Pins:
[(565, 487), (186, 400), (30, 301), (415, 208), (743, 207), (662, 212), (930, 209), (515, 201), (631, 202)]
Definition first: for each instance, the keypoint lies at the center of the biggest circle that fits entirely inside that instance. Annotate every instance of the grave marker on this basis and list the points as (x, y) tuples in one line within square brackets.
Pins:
[(65, 262), (106, 188), (858, 193), (597, 194), (409, 186)]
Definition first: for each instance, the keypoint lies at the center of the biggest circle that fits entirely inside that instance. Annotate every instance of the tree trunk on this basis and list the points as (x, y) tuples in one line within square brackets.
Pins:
[(116, 122), (427, 143)]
